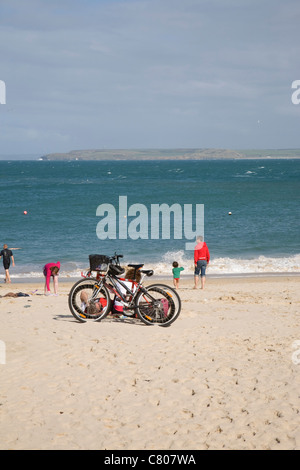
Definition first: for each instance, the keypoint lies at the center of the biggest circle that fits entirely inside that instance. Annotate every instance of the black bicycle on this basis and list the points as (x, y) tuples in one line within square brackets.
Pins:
[(92, 298)]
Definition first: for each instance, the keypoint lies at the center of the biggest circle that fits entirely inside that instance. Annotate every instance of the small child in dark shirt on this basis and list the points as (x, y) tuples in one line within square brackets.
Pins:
[(176, 274)]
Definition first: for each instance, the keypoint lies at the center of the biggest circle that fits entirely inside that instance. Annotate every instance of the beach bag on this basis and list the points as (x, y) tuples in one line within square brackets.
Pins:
[(165, 304), (103, 302), (118, 305)]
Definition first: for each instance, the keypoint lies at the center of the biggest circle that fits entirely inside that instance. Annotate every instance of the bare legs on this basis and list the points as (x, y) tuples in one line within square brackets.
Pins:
[(7, 276), (202, 282), (55, 286)]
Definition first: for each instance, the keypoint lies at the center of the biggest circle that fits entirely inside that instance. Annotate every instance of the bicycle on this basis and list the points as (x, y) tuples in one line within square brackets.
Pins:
[(90, 298)]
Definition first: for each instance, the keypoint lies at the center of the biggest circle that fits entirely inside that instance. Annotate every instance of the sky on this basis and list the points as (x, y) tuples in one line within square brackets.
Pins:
[(122, 74)]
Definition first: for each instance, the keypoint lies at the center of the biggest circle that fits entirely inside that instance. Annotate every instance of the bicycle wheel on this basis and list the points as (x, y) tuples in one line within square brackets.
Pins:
[(158, 306), (86, 303), (171, 291)]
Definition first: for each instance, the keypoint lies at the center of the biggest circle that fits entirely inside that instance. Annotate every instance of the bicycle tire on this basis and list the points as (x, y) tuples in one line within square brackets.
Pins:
[(79, 310), (162, 311), (172, 292)]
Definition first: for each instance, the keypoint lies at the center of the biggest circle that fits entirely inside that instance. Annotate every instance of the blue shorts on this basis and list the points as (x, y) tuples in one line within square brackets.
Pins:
[(201, 267)]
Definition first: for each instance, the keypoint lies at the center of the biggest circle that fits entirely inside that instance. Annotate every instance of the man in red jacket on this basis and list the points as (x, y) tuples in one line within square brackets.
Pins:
[(201, 259)]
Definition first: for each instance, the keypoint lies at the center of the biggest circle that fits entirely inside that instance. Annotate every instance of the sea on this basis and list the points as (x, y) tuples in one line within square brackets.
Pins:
[(66, 210)]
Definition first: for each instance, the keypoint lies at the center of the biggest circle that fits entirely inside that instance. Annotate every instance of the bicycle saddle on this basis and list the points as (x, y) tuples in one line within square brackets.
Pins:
[(148, 272), (136, 266)]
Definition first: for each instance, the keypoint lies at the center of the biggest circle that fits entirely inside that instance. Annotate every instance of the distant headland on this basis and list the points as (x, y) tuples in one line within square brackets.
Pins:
[(173, 154)]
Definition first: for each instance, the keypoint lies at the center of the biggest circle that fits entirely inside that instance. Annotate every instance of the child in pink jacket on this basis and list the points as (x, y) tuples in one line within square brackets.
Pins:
[(51, 270)]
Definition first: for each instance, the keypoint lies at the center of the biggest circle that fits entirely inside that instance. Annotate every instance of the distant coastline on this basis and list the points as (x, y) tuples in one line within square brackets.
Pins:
[(173, 154)]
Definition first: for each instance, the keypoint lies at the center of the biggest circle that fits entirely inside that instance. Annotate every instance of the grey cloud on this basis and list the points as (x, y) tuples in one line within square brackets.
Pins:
[(147, 73)]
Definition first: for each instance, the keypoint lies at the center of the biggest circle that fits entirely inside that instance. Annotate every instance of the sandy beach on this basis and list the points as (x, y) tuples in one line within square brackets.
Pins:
[(225, 375)]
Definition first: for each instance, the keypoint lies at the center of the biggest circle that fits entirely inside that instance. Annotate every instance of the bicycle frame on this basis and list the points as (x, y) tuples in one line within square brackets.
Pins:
[(113, 286)]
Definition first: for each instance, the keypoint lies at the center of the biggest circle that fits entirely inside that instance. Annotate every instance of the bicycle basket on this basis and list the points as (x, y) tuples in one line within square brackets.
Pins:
[(98, 262)]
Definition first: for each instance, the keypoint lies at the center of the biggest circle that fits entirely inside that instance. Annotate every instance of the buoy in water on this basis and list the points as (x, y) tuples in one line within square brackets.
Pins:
[(25, 212), (229, 213)]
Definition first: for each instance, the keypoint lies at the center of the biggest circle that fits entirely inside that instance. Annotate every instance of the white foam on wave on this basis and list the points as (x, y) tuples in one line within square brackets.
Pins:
[(217, 266), (262, 264)]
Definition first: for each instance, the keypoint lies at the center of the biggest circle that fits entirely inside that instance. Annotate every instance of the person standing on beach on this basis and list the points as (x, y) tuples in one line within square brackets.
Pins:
[(7, 256), (51, 270), (176, 274), (201, 260)]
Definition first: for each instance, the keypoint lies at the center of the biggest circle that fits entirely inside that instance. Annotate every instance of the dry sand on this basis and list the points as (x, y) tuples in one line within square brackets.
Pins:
[(225, 375)]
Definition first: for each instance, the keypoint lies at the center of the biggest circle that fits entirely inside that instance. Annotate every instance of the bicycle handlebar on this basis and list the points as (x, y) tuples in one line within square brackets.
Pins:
[(116, 257)]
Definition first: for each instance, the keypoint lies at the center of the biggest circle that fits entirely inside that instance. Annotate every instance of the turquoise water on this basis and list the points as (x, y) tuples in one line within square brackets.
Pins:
[(61, 200)]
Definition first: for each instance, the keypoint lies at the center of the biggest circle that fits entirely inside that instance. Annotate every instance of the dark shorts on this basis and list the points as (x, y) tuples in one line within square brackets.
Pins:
[(51, 275), (201, 267), (6, 264)]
